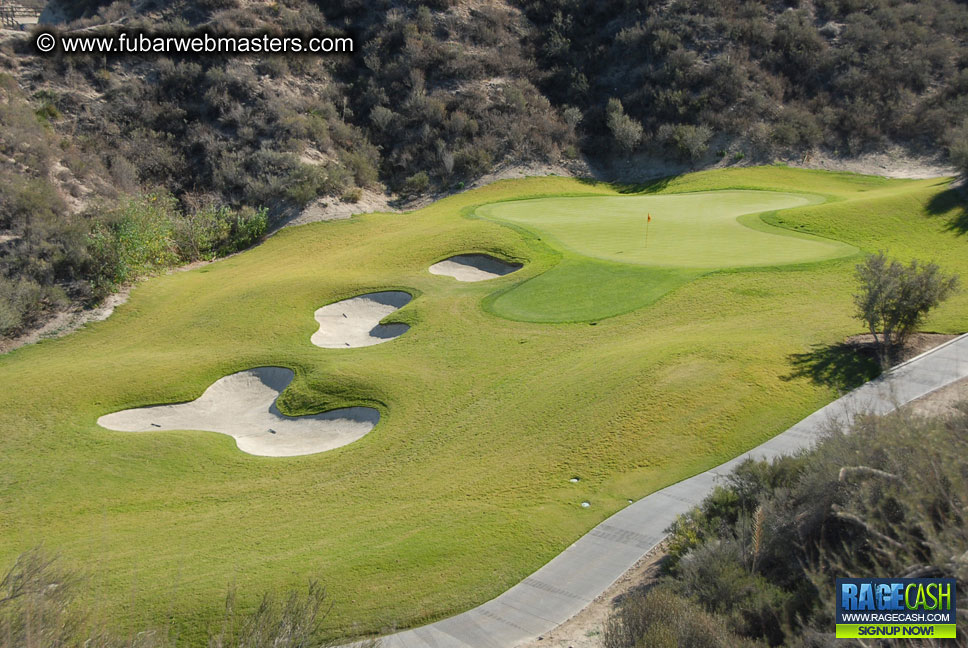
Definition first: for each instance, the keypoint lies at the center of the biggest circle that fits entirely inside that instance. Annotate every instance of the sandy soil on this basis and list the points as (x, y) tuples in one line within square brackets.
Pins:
[(567, 168), (942, 402), (584, 630), (327, 209), (243, 405), (473, 267), (890, 164), (917, 344), (355, 322), (68, 321)]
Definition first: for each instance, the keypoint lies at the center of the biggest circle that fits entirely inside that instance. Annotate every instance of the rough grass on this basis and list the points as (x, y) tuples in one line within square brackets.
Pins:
[(462, 490)]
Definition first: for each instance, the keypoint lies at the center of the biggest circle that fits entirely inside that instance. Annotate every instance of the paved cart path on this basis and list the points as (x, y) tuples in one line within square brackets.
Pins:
[(574, 578)]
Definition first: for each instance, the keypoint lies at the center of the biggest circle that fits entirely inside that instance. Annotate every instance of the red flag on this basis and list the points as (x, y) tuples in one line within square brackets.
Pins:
[(650, 218)]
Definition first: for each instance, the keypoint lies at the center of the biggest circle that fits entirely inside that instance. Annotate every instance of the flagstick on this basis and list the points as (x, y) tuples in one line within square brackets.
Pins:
[(647, 223)]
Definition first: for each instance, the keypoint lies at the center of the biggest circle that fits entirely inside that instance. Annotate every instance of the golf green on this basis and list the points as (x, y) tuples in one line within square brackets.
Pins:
[(462, 489), (621, 253), (693, 230)]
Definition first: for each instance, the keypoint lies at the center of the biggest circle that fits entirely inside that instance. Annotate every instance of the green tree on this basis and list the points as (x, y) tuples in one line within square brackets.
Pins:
[(894, 298)]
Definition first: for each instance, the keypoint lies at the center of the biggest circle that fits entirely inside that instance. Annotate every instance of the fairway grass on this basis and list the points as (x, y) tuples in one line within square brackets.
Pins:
[(463, 487)]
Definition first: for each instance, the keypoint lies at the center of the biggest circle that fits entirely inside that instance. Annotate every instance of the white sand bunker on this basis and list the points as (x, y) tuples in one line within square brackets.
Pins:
[(473, 267), (355, 322), (243, 405)]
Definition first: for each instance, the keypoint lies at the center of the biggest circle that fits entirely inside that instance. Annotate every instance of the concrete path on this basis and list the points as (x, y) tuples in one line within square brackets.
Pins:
[(574, 578)]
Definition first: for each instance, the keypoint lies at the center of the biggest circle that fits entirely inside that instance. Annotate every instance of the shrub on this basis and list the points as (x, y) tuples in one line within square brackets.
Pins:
[(759, 557), (626, 132), (23, 300), (381, 117), (135, 239), (249, 226), (35, 596), (894, 298), (958, 149), (418, 183), (292, 622), (661, 619), (306, 183), (472, 161), (39, 606), (198, 233), (689, 142)]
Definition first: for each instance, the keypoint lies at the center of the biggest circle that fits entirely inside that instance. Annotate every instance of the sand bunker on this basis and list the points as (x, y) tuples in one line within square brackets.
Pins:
[(243, 405), (473, 267), (355, 322)]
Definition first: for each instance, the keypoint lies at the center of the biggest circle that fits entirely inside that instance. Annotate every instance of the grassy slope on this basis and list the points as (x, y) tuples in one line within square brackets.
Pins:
[(463, 489)]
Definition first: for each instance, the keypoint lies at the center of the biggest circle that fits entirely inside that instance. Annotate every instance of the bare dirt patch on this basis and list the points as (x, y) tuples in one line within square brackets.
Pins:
[(915, 345), (330, 208), (68, 321), (889, 164), (941, 402), (584, 630)]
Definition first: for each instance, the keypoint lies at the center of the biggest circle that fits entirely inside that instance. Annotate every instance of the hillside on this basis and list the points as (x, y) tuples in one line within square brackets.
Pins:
[(438, 95)]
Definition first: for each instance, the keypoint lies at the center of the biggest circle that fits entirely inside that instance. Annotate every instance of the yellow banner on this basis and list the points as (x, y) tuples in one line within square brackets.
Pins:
[(874, 631)]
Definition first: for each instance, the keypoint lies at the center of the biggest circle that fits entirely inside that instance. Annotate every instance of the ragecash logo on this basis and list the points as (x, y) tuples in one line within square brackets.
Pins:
[(899, 608)]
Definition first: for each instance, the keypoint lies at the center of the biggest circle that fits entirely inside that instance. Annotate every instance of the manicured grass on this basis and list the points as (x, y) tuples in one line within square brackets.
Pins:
[(580, 289), (462, 489), (611, 264), (692, 230)]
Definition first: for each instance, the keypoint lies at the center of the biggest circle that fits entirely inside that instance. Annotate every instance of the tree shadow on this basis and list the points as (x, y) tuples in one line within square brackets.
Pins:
[(645, 186), (843, 366), (951, 201)]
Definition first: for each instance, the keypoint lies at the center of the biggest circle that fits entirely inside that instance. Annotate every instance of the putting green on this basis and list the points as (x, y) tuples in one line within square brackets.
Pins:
[(694, 230), (462, 489), (608, 268)]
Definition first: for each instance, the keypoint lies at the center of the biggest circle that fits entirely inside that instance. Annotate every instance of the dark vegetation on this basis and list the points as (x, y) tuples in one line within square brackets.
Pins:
[(776, 77), (39, 608), (51, 256), (756, 563), (438, 94)]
